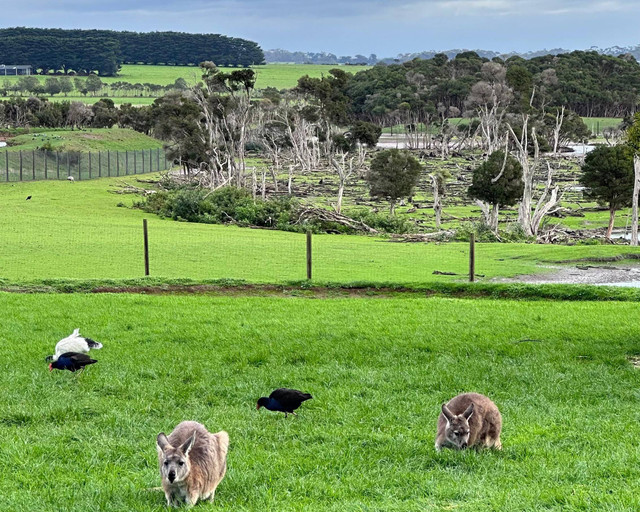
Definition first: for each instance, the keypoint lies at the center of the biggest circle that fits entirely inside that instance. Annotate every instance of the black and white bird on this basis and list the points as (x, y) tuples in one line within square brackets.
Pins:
[(74, 343), (72, 361), (283, 400)]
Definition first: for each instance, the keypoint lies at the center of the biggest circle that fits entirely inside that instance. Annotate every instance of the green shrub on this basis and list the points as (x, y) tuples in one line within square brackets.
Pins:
[(237, 206)]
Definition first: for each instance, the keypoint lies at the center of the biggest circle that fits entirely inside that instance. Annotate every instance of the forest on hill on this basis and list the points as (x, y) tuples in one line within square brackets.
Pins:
[(103, 51), (588, 83)]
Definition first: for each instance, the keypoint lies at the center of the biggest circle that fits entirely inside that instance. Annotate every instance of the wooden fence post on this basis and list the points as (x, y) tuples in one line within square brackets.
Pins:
[(143, 161), (45, 164), (117, 163), (6, 163), (309, 254), (89, 164), (126, 159), (146, 247), (472, 258), (99, 164), (58, 164)]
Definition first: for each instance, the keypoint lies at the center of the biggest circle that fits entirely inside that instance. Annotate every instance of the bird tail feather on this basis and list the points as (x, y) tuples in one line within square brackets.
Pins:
[(93, 344)]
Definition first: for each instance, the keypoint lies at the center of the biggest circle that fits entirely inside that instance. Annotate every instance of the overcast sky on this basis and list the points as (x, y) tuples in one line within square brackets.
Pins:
[(348, 27)]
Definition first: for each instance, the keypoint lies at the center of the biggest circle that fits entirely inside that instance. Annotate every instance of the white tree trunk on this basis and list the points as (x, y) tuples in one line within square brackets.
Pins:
[(556, 130), (634, 203)]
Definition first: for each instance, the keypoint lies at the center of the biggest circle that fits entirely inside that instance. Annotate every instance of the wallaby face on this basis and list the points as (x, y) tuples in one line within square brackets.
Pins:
[(457, 430), (467, 420), (175, 464)]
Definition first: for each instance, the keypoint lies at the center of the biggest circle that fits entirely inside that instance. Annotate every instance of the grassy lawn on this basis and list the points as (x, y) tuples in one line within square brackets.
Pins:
[(378, 370), (78, 230), (90, 139)]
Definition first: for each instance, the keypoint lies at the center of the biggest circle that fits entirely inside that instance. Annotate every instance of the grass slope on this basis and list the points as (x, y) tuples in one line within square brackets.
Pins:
[(77, 230), (378, 370), (91, 139)]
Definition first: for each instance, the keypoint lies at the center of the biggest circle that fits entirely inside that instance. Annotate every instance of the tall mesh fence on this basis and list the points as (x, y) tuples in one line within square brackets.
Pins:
[(32, 165)]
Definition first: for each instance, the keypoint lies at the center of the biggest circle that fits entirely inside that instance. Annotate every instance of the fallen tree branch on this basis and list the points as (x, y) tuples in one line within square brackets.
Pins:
[(309, 213)]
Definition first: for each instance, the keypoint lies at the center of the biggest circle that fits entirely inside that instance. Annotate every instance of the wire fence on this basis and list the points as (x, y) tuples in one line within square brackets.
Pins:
[(74, 247), (62, 165)]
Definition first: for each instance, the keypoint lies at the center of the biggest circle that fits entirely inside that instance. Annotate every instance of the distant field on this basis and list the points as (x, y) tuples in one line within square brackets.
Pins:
[(280, 76)]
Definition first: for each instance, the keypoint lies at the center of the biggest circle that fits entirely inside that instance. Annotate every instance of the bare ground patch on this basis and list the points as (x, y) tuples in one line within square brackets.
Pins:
[(628, 275)]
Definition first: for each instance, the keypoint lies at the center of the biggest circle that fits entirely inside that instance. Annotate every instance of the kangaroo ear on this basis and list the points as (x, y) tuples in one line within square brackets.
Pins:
[(468, 412), (188, 444), (447, 413), (162, 442)]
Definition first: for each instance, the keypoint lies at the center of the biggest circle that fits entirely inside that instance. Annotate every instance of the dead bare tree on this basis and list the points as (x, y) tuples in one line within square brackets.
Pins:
[(345, 169), (550, 197), (227, 113), (489, 99), (557, 128), (438, 188), (634, 200)]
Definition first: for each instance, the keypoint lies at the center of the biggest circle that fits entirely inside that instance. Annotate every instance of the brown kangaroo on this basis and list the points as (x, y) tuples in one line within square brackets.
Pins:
[(192, 462), (469, 419)]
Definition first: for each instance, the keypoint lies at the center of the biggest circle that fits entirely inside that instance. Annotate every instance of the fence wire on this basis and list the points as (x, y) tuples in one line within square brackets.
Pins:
[(61, 165)]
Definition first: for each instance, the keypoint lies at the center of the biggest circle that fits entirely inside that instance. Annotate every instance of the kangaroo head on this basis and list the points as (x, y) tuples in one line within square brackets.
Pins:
[(175, 464), (457, 430)]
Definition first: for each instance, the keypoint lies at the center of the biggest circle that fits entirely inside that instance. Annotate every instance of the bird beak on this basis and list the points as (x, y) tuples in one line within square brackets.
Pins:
[(50, 367), (257, 407)]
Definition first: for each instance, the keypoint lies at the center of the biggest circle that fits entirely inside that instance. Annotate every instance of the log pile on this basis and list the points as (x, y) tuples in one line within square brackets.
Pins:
[(308, 213)]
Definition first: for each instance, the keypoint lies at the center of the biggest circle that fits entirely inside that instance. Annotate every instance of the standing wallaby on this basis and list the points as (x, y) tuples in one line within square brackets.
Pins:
[(192, 462), (469, 419)]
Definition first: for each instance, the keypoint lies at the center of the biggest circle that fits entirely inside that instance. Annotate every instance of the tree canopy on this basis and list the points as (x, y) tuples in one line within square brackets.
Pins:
[(608, 178), (393, 174), (507, 189), (103, 51)]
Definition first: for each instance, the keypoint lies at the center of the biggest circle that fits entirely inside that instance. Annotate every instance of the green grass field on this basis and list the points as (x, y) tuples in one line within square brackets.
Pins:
[(378, 370), (90, 139), (78, 230), (280, 76)]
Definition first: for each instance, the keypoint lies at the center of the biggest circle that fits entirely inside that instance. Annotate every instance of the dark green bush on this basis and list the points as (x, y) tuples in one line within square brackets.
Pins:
[(231, 205)]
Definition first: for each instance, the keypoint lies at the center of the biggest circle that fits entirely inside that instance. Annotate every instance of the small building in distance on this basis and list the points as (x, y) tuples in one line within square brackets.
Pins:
[(14, 69)]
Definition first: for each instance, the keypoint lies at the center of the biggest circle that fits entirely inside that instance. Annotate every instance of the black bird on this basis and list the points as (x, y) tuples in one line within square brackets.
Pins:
[(28, 197), (283, 400), (72, 361)]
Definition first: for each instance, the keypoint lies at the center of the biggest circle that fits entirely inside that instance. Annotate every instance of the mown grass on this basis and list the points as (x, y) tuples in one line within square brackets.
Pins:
[(90, 139), (85, 230), (378, 370)]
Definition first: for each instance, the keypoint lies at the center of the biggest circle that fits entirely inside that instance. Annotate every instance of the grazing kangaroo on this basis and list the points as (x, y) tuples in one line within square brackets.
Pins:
[(192, 463), (469, 419)]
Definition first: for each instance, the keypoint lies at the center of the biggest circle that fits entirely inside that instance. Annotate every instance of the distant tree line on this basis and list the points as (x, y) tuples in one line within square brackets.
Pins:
[(103, 51), (587, 83), (91, 85), (285, 56)]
